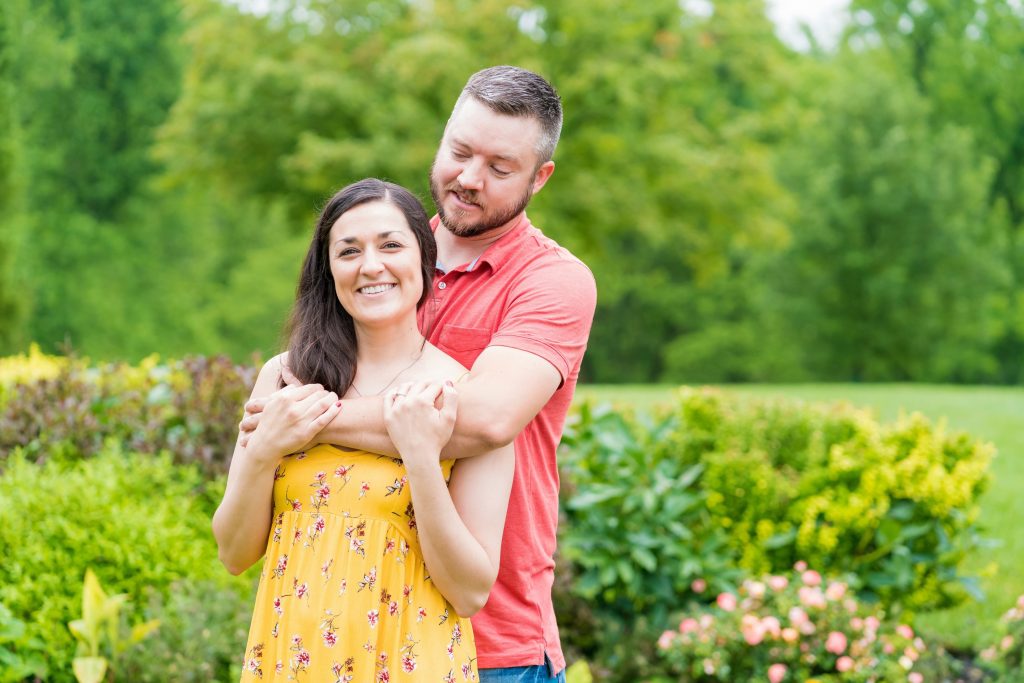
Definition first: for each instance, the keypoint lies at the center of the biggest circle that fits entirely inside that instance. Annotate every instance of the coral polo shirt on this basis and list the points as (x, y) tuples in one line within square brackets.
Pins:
[(524, 292)]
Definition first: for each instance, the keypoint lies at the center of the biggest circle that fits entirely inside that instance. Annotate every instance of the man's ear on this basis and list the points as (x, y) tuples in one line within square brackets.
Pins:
[(542, 175)]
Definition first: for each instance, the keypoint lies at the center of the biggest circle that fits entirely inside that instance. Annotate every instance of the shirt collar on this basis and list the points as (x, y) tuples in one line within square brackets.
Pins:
[(497, 253)]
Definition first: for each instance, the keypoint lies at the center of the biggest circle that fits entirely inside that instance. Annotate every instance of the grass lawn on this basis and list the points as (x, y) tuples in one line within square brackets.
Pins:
[(990, 413)]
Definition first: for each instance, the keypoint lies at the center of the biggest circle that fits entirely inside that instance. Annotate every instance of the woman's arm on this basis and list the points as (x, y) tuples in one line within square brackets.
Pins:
[(459, 523), (241, 523)]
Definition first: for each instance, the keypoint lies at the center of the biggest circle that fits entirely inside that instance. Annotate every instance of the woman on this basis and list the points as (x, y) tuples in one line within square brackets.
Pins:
[(356, 586)]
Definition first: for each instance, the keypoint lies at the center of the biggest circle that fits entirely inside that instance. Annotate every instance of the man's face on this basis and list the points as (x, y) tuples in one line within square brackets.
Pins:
[(485, 171)]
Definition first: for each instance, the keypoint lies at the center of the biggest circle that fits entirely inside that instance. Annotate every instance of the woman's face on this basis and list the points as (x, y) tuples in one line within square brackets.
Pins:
[(375, 261)]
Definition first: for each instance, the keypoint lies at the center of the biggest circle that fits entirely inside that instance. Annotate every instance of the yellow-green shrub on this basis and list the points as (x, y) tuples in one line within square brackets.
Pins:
[(894, 504), (28, 367)]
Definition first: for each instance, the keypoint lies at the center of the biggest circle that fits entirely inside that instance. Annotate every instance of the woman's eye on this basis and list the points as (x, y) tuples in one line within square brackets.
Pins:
[(347, 252), (392, 245)]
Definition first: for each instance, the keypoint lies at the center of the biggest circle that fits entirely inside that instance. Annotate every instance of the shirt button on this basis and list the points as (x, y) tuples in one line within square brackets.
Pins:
[(441, 285)]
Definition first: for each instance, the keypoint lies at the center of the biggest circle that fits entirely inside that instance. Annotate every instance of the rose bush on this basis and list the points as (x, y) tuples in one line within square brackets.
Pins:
[(795, 626)]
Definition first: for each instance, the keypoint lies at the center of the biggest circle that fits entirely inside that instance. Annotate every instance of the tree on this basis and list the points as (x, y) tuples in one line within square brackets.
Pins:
[(93, 81), (893, 272), (967, 60)]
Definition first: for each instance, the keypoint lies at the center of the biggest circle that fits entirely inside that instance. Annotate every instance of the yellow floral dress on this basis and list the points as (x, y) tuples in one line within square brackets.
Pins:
[(344, 595)]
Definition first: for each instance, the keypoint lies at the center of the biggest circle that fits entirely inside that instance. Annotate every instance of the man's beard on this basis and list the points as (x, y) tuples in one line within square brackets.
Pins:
[(462, 228)]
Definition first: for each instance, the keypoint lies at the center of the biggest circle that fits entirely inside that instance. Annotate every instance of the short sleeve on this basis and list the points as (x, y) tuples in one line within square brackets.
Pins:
[(549, 313)]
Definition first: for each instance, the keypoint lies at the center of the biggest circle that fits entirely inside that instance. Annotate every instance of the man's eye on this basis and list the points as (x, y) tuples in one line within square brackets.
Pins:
[(500, 171)]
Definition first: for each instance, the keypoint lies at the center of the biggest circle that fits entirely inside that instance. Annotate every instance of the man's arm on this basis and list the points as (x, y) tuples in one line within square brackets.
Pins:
[(505, 390)]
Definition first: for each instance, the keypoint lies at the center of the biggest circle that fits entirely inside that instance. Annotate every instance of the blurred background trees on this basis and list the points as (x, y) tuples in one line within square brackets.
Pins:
[(751, 212)]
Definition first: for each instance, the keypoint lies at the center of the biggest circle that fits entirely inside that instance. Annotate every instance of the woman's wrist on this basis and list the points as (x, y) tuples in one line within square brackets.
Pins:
[(422, 464)]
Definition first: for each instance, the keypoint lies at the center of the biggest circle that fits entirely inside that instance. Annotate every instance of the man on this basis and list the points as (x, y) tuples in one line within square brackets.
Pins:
[(516, 308)]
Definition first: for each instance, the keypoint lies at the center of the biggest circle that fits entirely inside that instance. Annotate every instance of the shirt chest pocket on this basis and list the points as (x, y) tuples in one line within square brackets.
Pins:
[(463, 344)]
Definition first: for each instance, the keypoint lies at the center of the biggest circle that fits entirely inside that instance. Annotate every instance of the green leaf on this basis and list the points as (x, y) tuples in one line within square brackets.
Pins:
[(645, 558), (579, 672), (90, 669)]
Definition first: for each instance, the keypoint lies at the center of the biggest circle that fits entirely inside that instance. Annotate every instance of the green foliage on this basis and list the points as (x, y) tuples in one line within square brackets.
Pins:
[(203, 627), (189, 407), (20, 656), (637, 526), (139, 521), (100, 633)]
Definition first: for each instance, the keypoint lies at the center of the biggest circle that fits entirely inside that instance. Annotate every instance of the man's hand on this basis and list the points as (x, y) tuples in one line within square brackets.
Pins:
[(254, 406), (292, 418)]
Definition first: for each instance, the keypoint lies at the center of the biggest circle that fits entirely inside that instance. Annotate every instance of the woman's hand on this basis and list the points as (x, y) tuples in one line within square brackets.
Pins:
[(291, 419), (420, 417)]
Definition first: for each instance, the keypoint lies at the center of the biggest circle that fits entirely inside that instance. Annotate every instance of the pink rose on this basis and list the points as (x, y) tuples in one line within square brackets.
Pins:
[(872, 622), (836, 643), (753, 631), (665, 641), (777, 583), (727, 601), (905, 631), (1006, 643), (812, 597), (776, 672), (756, 590), (811, 578), (772, 626), (797, 616), (915, 677), (800, 566), (844, 663), (856, 623), (688, 625), (790, 635), (835, 591), (699, 586)]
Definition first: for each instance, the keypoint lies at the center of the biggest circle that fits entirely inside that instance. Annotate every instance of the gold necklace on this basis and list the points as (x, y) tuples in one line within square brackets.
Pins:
[(400, 373)]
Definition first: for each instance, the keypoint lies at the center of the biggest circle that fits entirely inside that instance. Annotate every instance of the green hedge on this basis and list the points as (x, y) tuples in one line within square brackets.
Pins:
[(139, 521)]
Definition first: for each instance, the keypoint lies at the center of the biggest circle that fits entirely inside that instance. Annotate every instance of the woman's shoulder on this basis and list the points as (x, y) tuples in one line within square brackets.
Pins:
[(439, 366)]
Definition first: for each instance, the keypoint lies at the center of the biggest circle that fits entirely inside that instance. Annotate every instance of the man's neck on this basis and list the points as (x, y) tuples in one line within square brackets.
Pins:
[(454, 251)]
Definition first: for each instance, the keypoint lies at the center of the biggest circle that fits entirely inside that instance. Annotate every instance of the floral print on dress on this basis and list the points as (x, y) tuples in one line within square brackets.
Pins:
[(393, 625)]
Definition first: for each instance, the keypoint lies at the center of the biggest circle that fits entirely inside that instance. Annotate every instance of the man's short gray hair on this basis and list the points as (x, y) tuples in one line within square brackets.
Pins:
[(513, 91)]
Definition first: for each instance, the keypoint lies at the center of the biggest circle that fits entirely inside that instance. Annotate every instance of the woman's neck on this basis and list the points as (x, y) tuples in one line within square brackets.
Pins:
[(382, 348)]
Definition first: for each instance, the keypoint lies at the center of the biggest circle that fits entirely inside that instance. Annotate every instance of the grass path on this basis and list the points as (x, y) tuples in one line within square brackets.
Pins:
[(991, 413)]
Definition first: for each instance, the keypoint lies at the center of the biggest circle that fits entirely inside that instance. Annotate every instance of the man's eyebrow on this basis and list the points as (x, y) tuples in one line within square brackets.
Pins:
[(503, 157), (353, 240)]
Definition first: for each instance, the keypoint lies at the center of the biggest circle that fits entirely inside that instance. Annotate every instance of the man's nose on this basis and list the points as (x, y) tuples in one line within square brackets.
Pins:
[(472, 175)]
